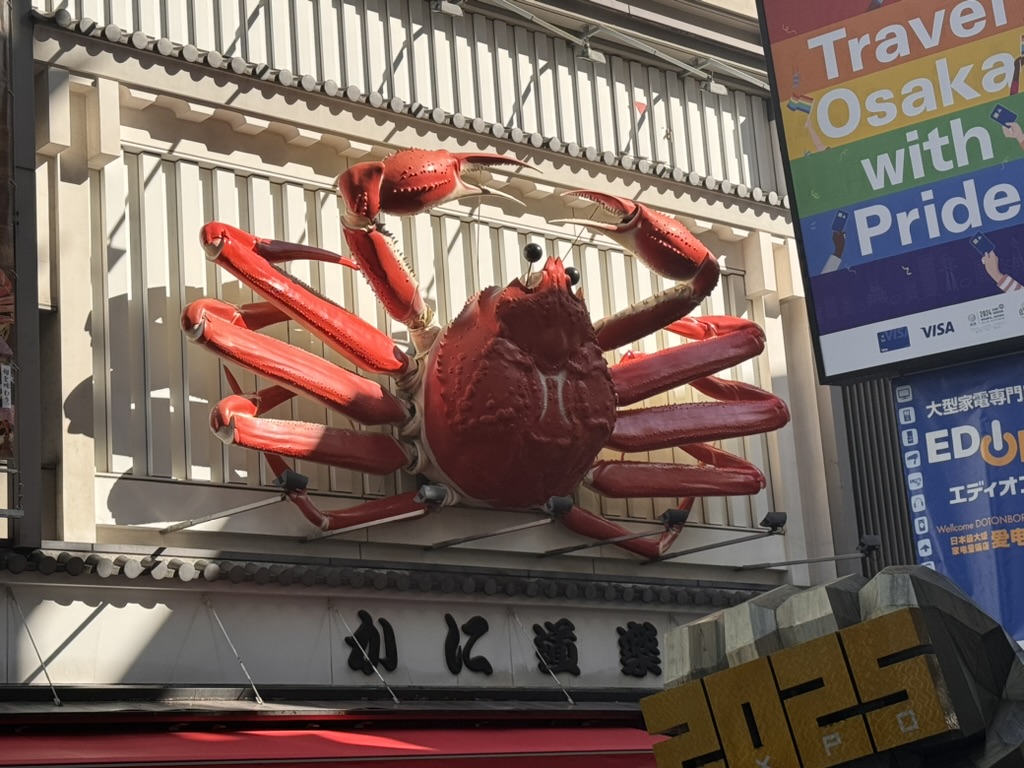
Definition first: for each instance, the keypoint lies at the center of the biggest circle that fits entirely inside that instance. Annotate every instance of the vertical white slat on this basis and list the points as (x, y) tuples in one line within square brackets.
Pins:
[(176, 342), (336, 286), (657, 113), (510, 260), (176, 26), (421, 61), (232, 32), (588, 105), (487, 261), (711, 110), (678, 130), (96, 10), (622, 107), (729, 122), (136, 363), (149, 17), (641, 110), (695, 127), (763, 147), (741, 508), (204, 25), (118, 207), (298, 227), (157, 317), (716, 508), (547, 97), (282, 31), (379, 59), (465, 76), (745, 154), (589, 265), (202, 370), (444, 62), (457, 277), (265, 219), (504, 72), (256, 30), (488, 87), (227, 208), (308, 43), (104, 220), (329, 47), (527, 79), (399, 37), (418, 240), (565, 80)]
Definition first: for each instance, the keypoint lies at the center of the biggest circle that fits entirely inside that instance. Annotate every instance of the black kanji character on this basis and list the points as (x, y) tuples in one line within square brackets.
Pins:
[(556, 647), (365, 644), (638, 649), (455, 655)]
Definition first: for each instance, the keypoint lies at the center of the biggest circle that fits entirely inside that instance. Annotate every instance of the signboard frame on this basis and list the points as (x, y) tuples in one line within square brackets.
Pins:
[(896, 367)]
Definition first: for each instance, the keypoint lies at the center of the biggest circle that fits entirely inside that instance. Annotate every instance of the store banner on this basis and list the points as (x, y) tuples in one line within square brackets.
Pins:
[(961, 432), (902, 131)]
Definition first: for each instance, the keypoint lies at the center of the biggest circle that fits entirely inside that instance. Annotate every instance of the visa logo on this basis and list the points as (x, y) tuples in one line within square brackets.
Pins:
[(893, 339), (938, 329)]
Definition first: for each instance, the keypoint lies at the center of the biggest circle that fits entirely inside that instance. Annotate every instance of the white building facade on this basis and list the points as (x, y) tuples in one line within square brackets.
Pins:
[(157, 116)]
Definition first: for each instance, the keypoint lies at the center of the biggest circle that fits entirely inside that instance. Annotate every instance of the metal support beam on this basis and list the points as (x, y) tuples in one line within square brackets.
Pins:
[(12, 513), (213, 612), (805, 561), (361, 526), (708, 547), (225, 513), (491, 534), (32, 640)]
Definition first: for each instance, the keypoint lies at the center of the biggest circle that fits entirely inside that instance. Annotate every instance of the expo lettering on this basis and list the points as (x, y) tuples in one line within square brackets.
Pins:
[(868, 688)]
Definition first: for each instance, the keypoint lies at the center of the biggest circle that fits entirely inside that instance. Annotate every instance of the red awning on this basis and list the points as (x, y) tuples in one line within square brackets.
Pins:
[(423, 748)]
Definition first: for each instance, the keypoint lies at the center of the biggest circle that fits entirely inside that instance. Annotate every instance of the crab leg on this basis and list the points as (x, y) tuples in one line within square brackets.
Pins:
[(407, 182), (237, 420), (331, 520), (665, 246), (585, 523), (251, 259), (747, 411), (718, 474), (721, 342), (222, 328)]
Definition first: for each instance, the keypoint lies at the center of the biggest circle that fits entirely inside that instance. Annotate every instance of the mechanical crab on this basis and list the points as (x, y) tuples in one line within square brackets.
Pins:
[(508, 406)]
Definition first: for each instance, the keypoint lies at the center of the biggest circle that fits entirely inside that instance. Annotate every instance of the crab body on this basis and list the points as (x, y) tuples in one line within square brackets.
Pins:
[(509, 405), (517, 388)]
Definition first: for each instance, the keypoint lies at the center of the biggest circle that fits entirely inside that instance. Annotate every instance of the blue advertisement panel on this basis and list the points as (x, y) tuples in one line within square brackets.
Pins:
[(961, 432)]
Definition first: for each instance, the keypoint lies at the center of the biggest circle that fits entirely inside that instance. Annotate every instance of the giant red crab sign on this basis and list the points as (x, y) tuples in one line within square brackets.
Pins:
[(509, 405)]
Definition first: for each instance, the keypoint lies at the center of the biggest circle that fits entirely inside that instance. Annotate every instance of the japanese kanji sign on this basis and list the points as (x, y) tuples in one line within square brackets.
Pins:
[(961, 431)]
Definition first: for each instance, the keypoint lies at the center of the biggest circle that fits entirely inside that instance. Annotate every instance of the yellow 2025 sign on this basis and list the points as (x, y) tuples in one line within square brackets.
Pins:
[(868, 688)]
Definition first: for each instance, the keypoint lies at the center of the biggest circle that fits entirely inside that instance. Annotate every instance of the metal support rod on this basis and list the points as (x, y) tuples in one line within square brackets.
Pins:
[(706, 547), (478, 536), (28, 631), (333, 607), (805, 561), (225, 513), (600, 542), (15, 513), (361, 526), (530, 640), (209, 605)]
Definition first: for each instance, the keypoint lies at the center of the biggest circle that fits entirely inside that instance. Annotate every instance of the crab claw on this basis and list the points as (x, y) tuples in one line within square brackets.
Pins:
[(659, 241), (412, 181)]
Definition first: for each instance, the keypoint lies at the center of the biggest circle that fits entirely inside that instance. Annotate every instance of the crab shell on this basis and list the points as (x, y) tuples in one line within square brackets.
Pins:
[(517, 397)]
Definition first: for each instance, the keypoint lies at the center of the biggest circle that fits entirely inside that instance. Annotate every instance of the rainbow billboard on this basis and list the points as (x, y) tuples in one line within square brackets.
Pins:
[(901, 126)]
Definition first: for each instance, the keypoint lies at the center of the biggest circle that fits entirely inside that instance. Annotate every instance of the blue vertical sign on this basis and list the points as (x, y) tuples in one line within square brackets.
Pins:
[(961, 434)]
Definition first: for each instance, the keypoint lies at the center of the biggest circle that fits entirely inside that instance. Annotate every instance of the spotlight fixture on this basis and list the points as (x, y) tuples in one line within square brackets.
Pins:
[(776, 521), (291, 481), (557, 506), (587, 53), (447, 7), (431, 495), (716, 89)]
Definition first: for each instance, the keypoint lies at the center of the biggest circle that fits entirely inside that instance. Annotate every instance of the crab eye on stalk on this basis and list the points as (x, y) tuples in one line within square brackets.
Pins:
[(533, 253), (573, 274)]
